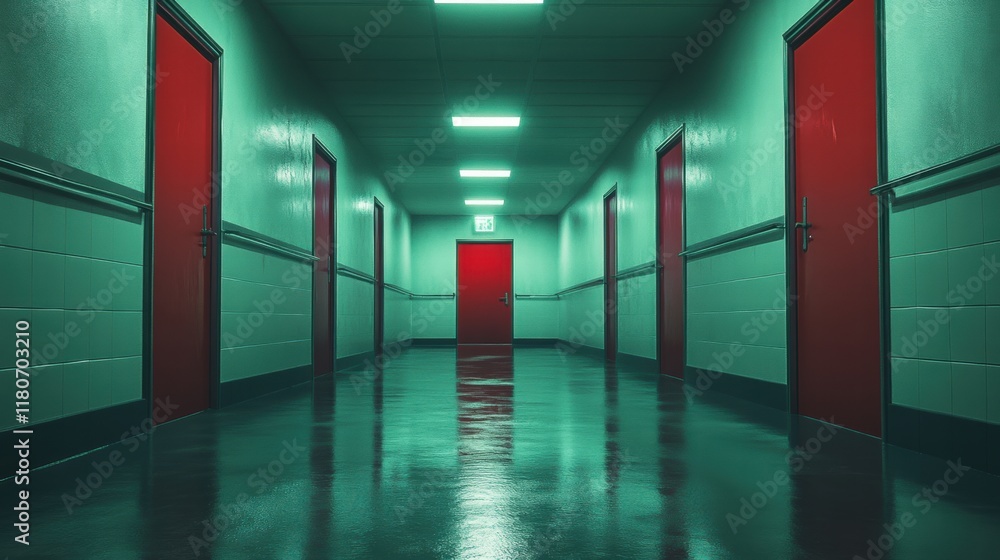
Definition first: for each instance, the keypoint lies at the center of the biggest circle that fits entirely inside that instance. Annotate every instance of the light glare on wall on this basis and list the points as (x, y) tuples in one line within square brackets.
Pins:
[(485, 173), (487, 121), (484, 203)]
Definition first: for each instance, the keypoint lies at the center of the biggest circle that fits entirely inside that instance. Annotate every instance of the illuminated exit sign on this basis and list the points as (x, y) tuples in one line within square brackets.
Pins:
[(486, 224)]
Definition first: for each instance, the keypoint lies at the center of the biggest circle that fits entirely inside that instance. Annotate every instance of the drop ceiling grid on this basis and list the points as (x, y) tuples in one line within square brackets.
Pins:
[(607, 60)]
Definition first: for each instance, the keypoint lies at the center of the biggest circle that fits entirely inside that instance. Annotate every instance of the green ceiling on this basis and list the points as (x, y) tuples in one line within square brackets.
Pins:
[(566, 75)]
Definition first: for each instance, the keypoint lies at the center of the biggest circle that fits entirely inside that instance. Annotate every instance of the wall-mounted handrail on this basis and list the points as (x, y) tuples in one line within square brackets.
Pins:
[(354, 273), (582, 286), (413, 296), (35, 177), (728, 240), (636, 271), (947, 177), (533, 296), (244, 236)]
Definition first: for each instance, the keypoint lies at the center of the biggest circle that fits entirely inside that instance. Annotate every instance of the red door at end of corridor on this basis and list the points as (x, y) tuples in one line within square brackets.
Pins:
[(485, 293)]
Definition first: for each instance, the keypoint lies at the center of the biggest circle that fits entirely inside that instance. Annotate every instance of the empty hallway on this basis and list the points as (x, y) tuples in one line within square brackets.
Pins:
[(492, 453), (500, 279)]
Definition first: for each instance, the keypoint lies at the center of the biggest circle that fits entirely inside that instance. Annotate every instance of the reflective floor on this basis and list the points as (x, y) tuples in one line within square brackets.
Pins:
[(488, 455)]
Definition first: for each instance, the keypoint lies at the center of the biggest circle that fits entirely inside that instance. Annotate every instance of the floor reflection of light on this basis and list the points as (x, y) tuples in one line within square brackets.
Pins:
[(487, 527)]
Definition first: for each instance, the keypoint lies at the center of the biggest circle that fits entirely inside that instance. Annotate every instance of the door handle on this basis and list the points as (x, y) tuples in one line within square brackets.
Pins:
[(506, 299), (205, 232), (804, 225)]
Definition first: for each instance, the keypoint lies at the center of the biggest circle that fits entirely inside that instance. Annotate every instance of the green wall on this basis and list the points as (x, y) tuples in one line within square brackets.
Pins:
[(941, 81), (942, 99), (535, 254), (75, 85), (731, 101), (74, 105), (271, 110), (79, 109)]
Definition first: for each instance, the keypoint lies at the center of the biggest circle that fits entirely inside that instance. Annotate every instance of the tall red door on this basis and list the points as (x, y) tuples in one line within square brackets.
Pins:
[(323, 178), (485, 293), (379, 278), (183, 202), (611, 276), (671, 242), (836, 164)]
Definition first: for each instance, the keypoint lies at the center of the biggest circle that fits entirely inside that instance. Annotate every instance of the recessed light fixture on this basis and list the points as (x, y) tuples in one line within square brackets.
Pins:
[(511, 122), (484, 203), (489, 1), (485, 173)]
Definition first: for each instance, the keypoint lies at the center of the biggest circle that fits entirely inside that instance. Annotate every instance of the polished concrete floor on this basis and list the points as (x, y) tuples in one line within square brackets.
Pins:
[(488, 455)]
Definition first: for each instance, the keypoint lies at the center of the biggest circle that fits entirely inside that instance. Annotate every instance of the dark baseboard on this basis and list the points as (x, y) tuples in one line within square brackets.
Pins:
[(774, 395), (568, 347), (434, 342), (61, 439), (252, 387), (977, 443), (536, 342), (638, 362), (348, 363)]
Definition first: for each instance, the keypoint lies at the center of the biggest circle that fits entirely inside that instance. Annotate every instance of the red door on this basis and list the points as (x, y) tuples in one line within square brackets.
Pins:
[(379, 277), (323, 178), (611, 276), (485, 293), (183, 207), (837, 274), (671, 224)]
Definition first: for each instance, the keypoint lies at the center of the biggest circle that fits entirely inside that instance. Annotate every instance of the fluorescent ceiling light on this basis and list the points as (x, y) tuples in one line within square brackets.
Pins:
[(487, 121), (484, 203), (488, 1), (485, 173)]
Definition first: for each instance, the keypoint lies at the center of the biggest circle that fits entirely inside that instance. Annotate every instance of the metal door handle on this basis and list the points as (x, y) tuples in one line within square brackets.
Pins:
[(205, 232), (804, 225), (506, 299)]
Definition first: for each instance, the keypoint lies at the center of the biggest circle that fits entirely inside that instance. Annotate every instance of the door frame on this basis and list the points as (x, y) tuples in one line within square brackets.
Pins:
[(674, 140), (820, 15), (613, 192), (458, 291), (320, 149), (174, 14), (378, 275)]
